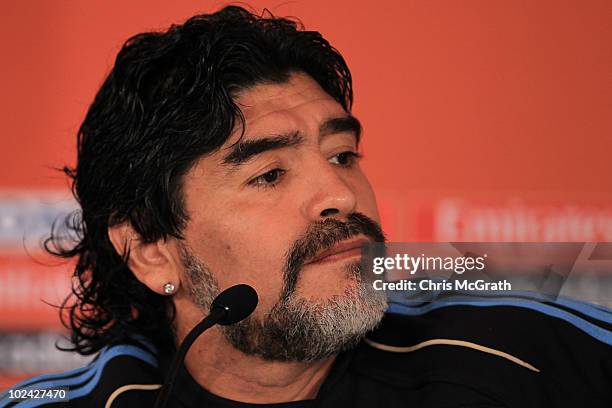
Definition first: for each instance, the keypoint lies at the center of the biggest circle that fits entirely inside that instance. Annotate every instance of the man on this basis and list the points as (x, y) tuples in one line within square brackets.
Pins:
[(223, 151)]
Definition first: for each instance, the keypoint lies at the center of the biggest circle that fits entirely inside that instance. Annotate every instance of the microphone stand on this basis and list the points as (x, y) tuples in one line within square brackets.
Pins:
[(216, 315), (231, 306)]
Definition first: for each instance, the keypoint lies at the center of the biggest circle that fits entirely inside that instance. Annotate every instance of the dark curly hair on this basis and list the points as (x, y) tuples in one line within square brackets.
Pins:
[(168, 100)]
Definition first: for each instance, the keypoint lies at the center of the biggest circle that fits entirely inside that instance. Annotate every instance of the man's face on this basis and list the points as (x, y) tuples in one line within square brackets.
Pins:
[(264, 208)]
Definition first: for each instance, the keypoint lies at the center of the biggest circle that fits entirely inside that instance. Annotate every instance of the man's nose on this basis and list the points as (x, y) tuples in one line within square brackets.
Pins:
[(329, 195)]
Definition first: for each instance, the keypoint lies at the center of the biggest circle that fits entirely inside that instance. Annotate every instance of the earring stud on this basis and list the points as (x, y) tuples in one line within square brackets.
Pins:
[(169, 288)]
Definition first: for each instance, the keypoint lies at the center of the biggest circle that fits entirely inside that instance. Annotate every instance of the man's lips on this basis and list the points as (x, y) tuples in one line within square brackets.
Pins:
[(339, 251)]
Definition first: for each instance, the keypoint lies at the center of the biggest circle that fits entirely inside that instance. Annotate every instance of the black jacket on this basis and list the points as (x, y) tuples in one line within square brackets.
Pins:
[(452, 353)]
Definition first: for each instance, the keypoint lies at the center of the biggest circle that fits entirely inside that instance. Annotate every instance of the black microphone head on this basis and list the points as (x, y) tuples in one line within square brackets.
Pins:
[(238, 302)]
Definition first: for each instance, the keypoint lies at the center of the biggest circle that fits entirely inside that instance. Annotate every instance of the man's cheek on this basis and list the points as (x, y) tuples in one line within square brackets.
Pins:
[(260, 264)]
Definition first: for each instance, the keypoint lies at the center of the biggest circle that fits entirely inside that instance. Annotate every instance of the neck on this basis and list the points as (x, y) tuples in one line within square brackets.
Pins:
[(227, 372)]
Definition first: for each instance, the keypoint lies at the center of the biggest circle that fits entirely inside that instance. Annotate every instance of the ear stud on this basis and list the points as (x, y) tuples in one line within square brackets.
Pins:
[(169, 288)]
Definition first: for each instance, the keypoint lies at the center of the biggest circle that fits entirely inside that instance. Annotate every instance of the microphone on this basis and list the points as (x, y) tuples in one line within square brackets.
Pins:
[(232, 305), (238, 302)]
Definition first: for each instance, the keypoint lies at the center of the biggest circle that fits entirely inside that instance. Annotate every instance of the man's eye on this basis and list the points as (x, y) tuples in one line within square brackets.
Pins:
[(268, 179), (345, 159)]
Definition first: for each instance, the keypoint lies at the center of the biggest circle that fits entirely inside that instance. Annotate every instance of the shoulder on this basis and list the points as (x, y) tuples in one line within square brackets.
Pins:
[(119, 375), (523, 352)]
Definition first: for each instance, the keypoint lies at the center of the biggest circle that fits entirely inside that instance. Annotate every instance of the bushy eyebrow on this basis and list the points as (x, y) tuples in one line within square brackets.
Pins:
[(341, 125), (244, 150)]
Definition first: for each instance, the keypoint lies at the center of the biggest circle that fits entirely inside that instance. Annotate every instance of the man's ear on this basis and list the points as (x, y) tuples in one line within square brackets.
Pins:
[(155, 264)]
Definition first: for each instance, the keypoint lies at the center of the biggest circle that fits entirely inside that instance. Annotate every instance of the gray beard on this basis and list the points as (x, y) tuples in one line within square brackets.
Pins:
[(296, 329)]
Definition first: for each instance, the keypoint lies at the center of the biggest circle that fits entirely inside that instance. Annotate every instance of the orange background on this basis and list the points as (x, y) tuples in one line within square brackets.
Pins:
[(482, 118), (454, 95)]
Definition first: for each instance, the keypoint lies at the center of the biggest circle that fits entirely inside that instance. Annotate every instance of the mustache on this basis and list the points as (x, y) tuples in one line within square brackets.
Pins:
[(323, 235)]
